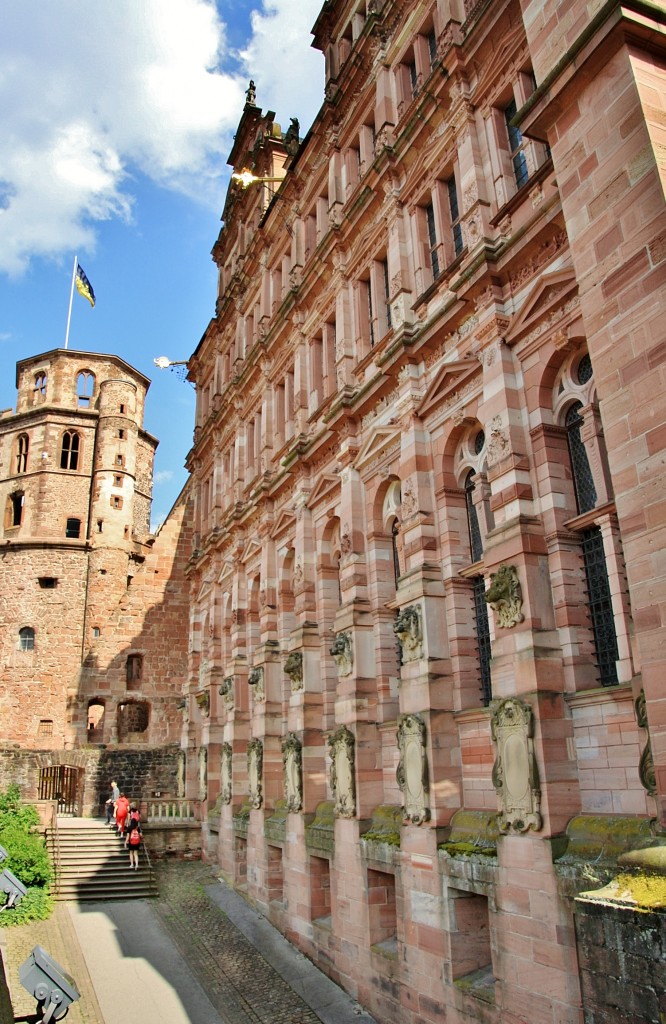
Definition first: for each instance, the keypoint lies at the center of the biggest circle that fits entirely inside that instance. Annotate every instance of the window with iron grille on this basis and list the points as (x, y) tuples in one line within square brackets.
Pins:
[(600, 605), (482, 637), (481, 622), (594, 558), (586, 492)]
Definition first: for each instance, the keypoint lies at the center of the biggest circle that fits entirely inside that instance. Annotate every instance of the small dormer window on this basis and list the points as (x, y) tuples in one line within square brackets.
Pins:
[(85, 387)]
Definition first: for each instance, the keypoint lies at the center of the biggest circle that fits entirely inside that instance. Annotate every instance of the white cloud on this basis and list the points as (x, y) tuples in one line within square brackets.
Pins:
[(162, 476), (288, 73), (94, 93)]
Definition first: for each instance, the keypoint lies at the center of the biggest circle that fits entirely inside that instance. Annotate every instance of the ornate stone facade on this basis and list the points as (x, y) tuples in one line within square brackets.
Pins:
[(428, 480)]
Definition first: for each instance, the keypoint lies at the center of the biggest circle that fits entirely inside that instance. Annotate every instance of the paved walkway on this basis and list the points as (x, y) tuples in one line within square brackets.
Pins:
[(197, 955)]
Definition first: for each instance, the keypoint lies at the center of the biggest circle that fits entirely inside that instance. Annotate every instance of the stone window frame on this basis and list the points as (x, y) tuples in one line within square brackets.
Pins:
[(26, 638), (14, 510), (73, 532), (85, 388), (437, 238), (321, 364), (22, 452), (134, 669), (502, 152), (71, 450), (39, 386), (569, 390)]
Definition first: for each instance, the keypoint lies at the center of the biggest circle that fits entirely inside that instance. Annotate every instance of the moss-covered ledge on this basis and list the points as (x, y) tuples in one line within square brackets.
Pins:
[(597, 845), (320, 833), (382, 840), (242, 819), (469, 853), (275, 827)]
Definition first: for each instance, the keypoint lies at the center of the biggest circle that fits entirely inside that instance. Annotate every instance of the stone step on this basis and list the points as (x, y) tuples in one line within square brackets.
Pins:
[(93, 864)]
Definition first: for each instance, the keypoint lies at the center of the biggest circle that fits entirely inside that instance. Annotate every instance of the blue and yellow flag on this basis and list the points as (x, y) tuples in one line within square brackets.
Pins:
[(83, 285)]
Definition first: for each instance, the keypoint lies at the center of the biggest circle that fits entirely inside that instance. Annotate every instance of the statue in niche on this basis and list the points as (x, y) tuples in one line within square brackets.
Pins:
[(412, 771), (255, 767), (293, 667), (180, 774), (203, 773), (256, 681), (342, 653), (515, 772), (409, 631), (505, 596), (343, 780), (227, 691), (292, 764), (226, 776)]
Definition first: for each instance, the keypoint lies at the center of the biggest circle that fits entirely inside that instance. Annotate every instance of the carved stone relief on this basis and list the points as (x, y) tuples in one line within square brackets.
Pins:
[(646, 769), (255, 767), (203, 773), (498, 442), (342, 653), (409, 630), (343, 780), (203, 703), (292, 762), (515, 772), (293, 667), (505, 597), (412, 771), (226, 785), (256, 681)]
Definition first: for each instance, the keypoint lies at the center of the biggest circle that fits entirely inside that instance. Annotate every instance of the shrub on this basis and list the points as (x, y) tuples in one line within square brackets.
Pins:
[(27, 858)]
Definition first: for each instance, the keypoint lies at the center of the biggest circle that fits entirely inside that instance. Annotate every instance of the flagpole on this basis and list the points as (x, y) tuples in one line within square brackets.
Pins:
[(71, 296)]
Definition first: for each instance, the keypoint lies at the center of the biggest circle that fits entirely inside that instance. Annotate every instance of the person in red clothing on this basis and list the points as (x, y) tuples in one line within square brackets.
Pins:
[(122, 807)]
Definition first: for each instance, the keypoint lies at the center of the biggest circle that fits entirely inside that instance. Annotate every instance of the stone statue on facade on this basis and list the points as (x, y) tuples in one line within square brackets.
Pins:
[(505, 597), (255, 767), (412, 771), (515, 772), (409, 631), (342, 653), (292, 763), (343, 780)]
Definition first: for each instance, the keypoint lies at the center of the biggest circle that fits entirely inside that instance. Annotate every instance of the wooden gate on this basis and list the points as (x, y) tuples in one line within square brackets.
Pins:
[(60, 782)]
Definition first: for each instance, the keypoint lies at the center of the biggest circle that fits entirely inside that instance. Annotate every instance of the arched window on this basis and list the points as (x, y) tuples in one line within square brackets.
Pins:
[(22, 447), (39, 390), (26, 638), (69, 453), (85, 387)]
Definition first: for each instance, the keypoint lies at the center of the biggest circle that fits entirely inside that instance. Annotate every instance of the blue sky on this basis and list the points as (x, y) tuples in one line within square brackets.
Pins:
[(117, 122)]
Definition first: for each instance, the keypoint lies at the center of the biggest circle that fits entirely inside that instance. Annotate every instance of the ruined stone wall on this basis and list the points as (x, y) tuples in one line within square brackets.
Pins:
[(34, 684), (139, 773), (148, 624), (621, 953)]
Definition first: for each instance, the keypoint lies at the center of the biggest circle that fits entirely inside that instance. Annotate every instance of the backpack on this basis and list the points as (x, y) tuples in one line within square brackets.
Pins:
[(134, 829)]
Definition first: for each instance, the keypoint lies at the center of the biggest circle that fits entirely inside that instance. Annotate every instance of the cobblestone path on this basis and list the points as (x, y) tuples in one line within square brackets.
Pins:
[(241, 985)]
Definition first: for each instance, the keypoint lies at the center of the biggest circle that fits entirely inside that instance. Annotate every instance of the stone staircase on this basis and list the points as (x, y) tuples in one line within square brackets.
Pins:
[(93, 864)]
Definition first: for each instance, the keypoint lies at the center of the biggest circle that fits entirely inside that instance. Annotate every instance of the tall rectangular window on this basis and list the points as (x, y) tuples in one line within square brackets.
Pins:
[(454, 210), (520, 170), (432, 240)]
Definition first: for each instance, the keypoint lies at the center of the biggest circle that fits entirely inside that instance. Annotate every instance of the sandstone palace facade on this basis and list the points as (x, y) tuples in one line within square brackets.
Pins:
[(426, 701), (93, 646)]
